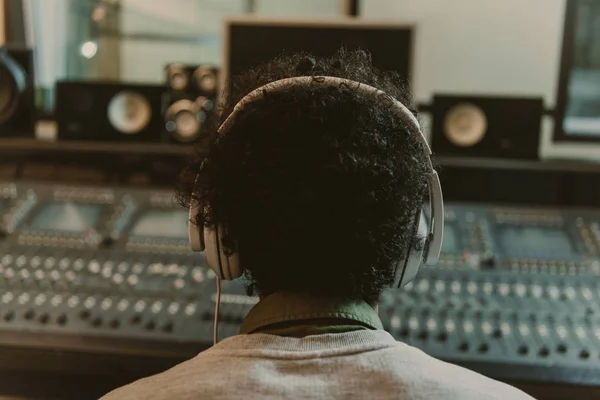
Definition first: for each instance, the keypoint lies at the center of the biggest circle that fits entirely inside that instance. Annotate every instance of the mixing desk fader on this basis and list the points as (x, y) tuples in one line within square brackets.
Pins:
[(516, 293)]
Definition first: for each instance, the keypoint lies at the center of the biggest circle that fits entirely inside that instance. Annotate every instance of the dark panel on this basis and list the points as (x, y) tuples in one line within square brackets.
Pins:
[(252, 44), (585, 189), (353, 7), (555, 183), (502, 186)]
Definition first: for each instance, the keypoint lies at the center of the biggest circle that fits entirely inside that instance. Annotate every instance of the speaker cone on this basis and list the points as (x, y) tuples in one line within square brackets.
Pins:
[(206, 80), (184, 120), (465, 125), (177, 77), (129, 112)]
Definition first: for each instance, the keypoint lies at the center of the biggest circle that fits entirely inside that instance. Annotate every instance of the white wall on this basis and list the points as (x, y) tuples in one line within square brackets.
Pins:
[(144, 61), (480, 46), (508, 47), (299, 8)]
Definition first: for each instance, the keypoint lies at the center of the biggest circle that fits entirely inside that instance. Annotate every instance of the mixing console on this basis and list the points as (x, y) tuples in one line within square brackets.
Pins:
[(564, 242), (515, 294)]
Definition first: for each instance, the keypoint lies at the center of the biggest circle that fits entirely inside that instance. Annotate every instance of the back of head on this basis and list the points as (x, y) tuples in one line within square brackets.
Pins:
[(315, 187)]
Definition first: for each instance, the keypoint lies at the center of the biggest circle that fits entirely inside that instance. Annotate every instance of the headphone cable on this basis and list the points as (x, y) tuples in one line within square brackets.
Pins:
[(217, 306)]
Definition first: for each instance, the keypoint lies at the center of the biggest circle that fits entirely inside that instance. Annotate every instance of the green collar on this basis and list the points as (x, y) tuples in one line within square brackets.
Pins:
[(298, 315)]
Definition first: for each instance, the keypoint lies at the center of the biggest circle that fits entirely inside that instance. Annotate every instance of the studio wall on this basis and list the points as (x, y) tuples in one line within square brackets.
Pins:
[(201, 23), (188, 19), (509, 47)]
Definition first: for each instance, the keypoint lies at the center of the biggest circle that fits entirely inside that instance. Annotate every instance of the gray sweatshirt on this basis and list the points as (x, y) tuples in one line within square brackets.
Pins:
[(362, 364)]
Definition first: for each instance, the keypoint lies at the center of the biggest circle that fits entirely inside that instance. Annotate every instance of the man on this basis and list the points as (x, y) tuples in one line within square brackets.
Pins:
[(315, 188)]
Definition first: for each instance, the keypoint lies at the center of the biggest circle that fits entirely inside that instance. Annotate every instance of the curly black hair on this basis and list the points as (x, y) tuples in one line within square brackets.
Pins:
[(315, 187)]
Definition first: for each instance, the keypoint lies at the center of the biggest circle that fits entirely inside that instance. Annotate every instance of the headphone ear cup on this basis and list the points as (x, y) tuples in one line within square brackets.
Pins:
[(406, 273), (203, 239), (210, 251), (195, 236), (225, 266)]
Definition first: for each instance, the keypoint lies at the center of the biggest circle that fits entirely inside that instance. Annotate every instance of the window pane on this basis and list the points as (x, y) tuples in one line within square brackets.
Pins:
[(133, 40), (582, 116)]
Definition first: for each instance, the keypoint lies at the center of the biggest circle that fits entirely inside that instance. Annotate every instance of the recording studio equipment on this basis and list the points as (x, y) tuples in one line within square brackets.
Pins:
[(515, 294), (17, 102), (190, 98), (531, 324), (577, 113), (544, 241), (479, 126), (200, 80), (107, 111), (185, 118), (77, 218), (226, 266), (13, 208), (252, 41)]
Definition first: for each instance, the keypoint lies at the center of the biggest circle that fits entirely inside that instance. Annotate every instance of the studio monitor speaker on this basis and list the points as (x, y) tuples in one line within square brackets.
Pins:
[(472, 126), (17, 93), (195, 80), (190, 99), (106, 111)]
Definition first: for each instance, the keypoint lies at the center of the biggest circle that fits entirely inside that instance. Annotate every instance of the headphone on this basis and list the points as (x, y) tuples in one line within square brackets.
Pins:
[(228, 267)]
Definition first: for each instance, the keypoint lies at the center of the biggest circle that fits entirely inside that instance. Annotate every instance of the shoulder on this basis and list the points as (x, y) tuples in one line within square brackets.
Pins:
[(445, 380), (204, 372), (182, 381)]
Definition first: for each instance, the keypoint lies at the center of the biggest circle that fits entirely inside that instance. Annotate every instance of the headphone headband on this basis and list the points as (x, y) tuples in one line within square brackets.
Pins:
[(329, 81)]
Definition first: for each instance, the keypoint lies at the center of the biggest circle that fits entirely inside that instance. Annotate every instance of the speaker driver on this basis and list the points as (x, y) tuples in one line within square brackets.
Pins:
[(177, 77), (129, 112), (465, 125), (206, 80), (13, 82), (184, 120)]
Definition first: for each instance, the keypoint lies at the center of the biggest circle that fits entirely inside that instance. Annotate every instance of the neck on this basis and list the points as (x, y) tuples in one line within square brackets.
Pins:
[(375, 306), (303, 313)]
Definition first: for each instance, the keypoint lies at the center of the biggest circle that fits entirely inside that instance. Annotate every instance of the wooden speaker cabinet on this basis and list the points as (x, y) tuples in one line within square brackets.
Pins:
[(189, 101)]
